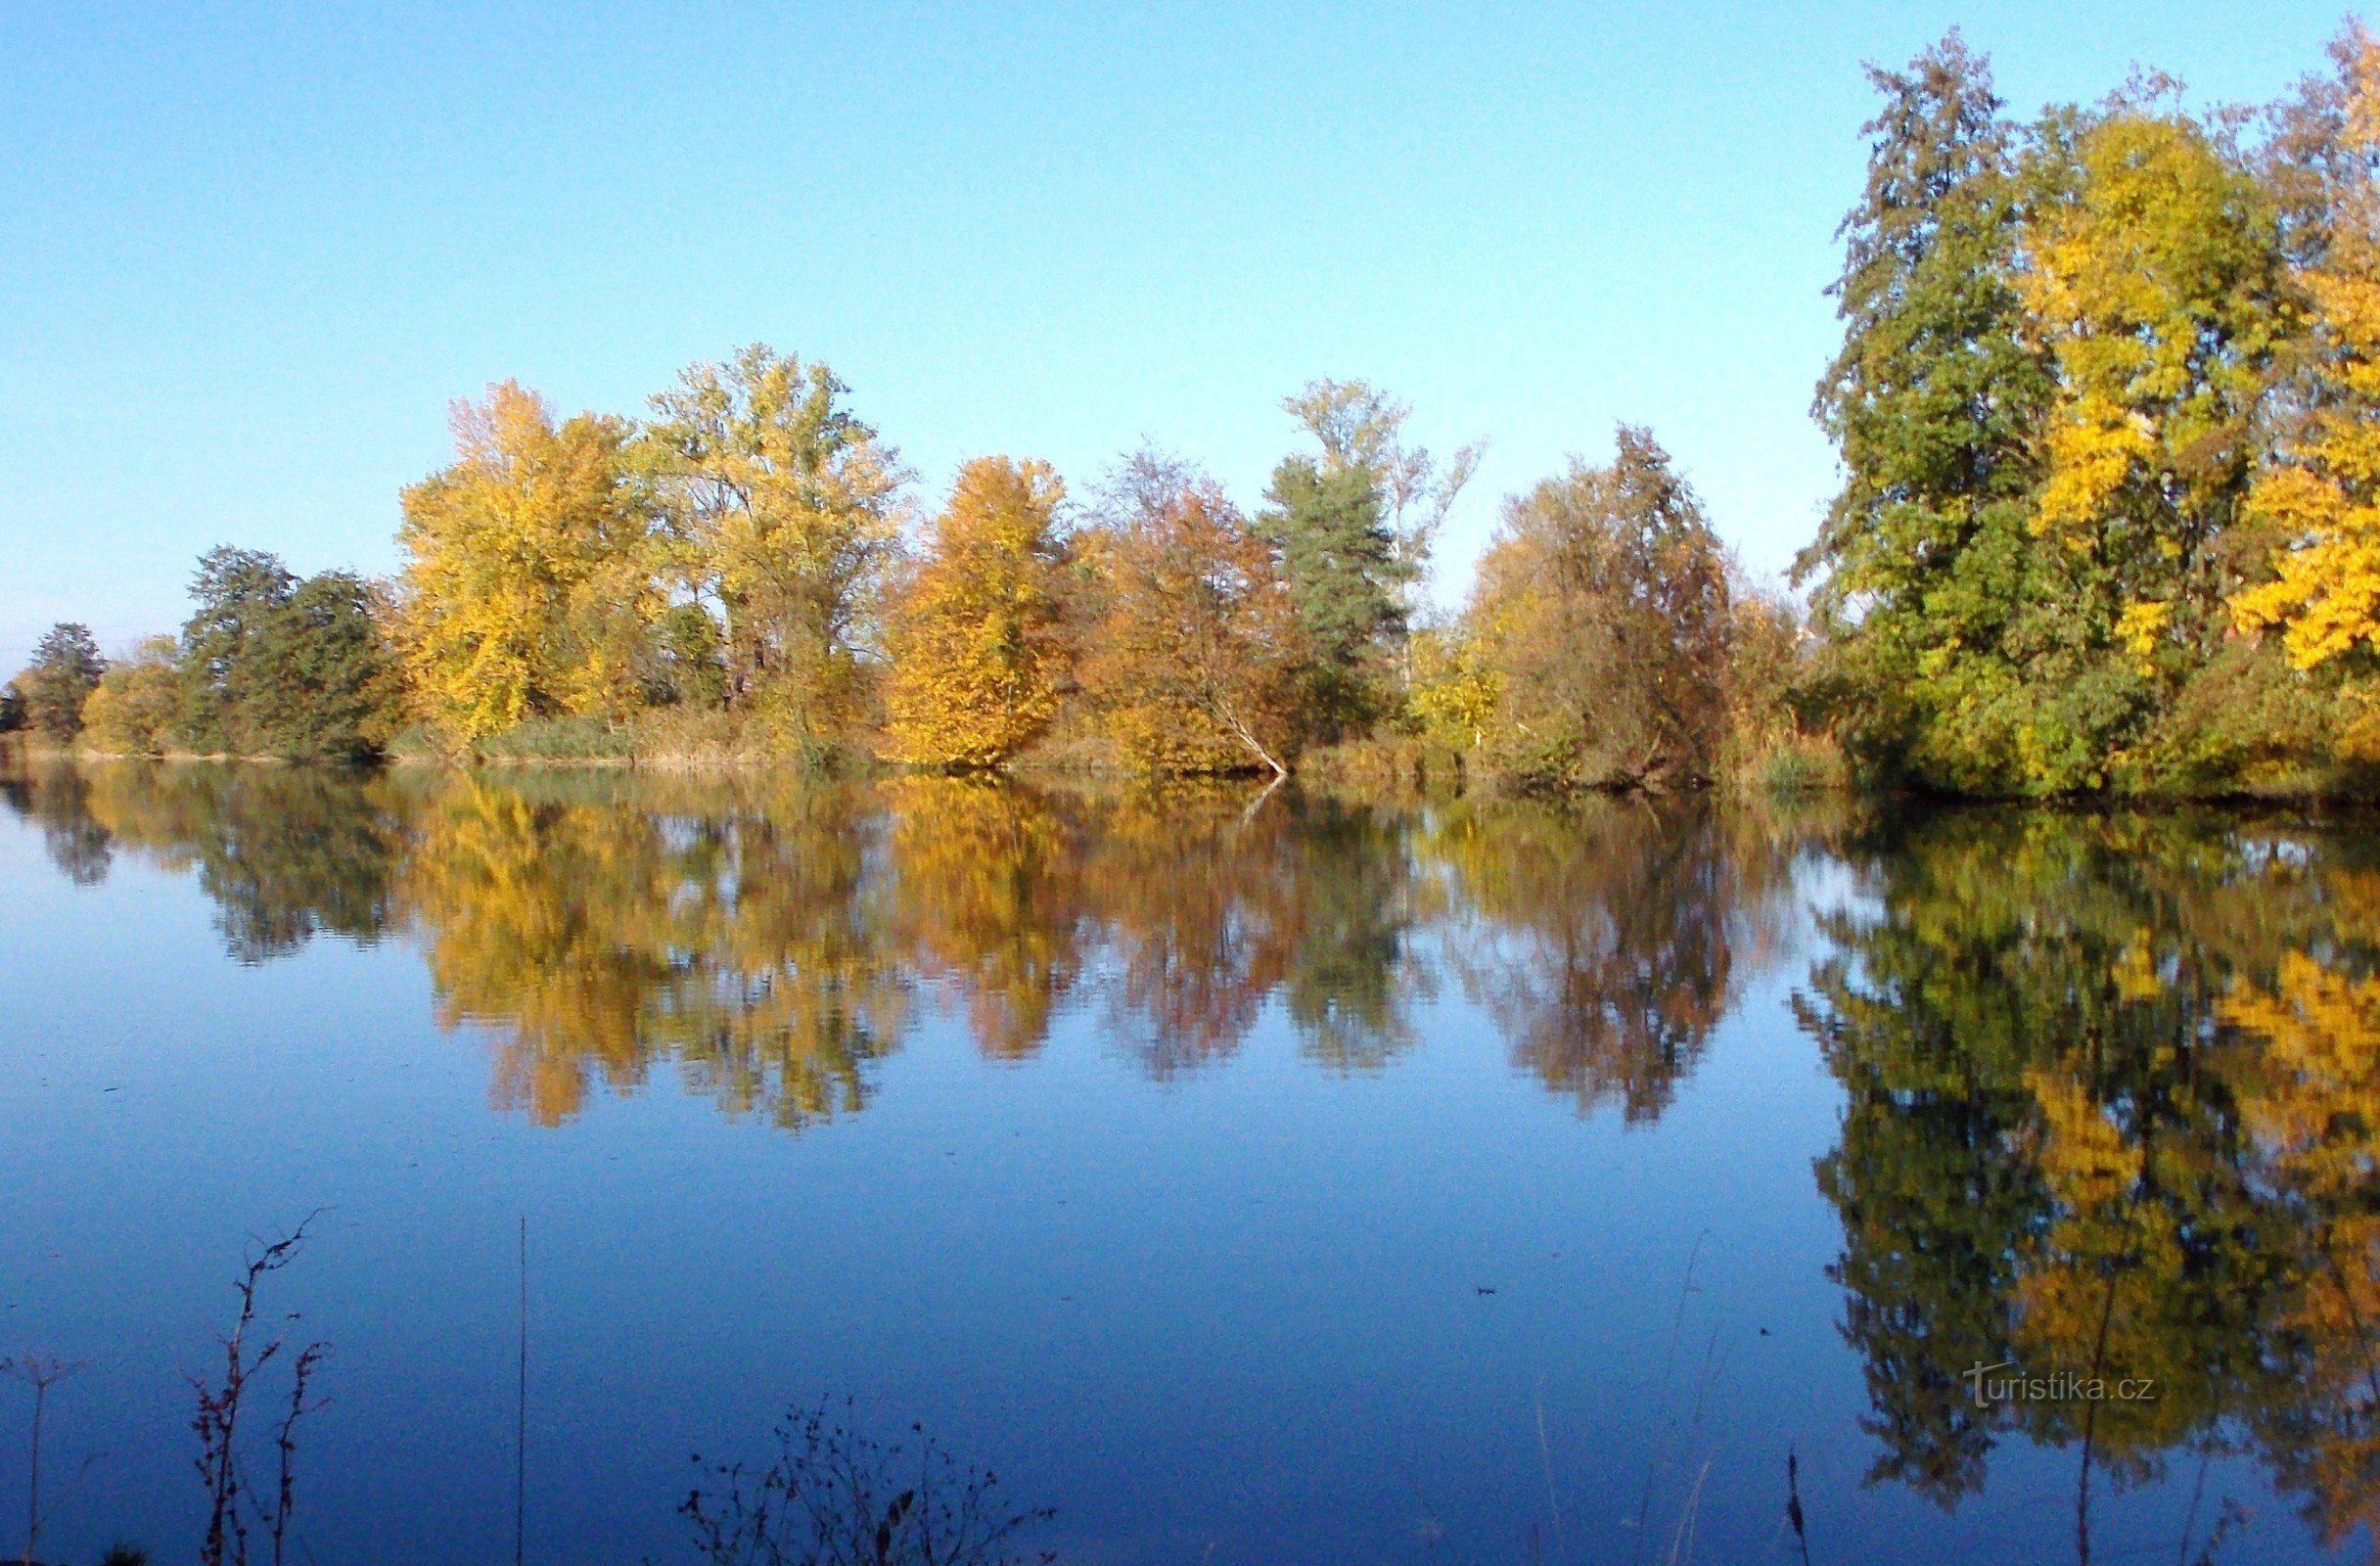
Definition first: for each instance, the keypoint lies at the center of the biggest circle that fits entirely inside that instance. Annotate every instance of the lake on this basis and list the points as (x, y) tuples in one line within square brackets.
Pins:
[(1244, 1176)]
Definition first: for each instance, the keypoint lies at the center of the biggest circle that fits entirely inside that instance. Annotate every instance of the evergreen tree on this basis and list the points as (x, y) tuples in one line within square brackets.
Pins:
[(236, 592), (315, 680), (1339, 564), (65, 672)]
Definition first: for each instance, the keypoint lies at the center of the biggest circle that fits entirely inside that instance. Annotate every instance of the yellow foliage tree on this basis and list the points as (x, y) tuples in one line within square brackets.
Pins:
[(979, 650), (2154, 280), (138, 701), (2324, 497), (528, 582), (781, 507)]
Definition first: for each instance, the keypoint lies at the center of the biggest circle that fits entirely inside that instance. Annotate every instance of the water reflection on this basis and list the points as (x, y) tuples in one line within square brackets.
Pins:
[(1609, 944), (767, 939), (2112, 1112), (2111, 1084), (283, 852)]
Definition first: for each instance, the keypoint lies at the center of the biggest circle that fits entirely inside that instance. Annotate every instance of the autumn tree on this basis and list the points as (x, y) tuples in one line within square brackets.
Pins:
[(137, 708), (1604, 606), (1194, 659), (2153, 273), (528, 587), (2320, 491), (780, 510), (65, 670), (977, 642)]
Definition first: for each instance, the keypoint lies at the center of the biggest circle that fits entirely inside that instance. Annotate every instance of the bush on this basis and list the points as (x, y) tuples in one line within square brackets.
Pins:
[(137, 704)]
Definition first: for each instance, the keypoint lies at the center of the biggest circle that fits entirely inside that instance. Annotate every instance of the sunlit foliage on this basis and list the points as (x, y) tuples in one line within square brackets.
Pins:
[(1193, 662), (528, 588), (979, 645), (779, 506), (136, 708), (1603, 607)]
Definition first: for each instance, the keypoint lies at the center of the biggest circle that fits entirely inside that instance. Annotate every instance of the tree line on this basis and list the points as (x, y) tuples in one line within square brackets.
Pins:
[(2108, 413), (742, 571), (2108, 405)]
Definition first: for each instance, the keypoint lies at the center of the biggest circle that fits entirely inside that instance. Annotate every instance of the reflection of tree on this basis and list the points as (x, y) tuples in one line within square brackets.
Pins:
[(1186, 891), (285, 852), (989, 899), (747, 942), (1606, 939), (56, 797), (1194, 907), (2109, 1113), (1352, 970), (2312, 1111), (764, 938)]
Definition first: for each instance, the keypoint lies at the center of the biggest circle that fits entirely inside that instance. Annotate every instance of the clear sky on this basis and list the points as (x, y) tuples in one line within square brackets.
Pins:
[(250, 253)]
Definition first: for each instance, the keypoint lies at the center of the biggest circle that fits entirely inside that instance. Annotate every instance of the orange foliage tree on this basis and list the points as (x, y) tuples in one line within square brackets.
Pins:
[(977, 642)]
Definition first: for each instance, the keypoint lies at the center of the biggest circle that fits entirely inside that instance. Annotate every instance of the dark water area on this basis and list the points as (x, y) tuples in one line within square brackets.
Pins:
[(1248, 1178)]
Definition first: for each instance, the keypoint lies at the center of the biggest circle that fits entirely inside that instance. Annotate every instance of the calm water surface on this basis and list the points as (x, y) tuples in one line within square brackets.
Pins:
[(1250, 1180)]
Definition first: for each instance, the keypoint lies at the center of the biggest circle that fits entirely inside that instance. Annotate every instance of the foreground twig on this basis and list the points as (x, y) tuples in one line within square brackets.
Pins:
[(41, 1374), (217, 1420)]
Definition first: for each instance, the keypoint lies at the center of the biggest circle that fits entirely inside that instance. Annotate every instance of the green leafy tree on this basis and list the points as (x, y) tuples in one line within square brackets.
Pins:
[(235, 590), (1339, 563), (1924, 567), (316, 680), (1358, 425), (65, 670), (275, 666)]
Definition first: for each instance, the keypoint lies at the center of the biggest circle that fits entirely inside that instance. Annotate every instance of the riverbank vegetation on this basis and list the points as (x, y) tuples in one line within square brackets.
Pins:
[(2108, 412)]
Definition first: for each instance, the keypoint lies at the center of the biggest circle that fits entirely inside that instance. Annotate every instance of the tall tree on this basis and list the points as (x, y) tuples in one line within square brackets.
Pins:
[(1923, 567), (781, 507), (529, 585), (979, 651), (1358, 425), (1604, 604), (2153, 270), (65, 670), (1338, 560)]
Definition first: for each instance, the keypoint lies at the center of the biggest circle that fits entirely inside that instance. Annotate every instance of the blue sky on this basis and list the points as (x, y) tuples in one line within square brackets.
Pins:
[(252, 251)]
